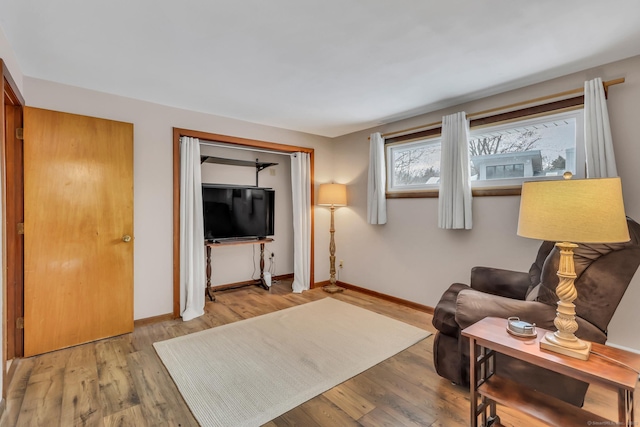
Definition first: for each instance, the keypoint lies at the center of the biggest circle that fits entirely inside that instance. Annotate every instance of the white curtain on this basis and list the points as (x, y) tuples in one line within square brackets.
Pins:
[(454, 200), (601, 162), (301, 198), (376, 199), (192, 270)]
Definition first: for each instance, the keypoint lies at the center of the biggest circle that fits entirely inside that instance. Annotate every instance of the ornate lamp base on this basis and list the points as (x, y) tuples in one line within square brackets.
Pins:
[(332, 288), (577, 349), (564, 341)]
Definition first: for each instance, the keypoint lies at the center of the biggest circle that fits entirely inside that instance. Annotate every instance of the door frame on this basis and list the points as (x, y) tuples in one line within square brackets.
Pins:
[(13, 213), (232, 140)]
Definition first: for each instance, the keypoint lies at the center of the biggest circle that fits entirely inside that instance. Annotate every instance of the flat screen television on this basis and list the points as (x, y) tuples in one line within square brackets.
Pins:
[(237, 212)]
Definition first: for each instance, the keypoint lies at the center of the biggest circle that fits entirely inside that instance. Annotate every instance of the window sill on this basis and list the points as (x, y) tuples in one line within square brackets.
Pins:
[(476, 192)]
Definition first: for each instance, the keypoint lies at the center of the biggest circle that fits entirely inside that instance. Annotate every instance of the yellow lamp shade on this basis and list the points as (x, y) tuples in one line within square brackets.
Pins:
[(332, 194), (577, 211)]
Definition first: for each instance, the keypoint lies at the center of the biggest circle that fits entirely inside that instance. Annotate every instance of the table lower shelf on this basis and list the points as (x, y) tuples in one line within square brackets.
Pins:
[(541, 406)]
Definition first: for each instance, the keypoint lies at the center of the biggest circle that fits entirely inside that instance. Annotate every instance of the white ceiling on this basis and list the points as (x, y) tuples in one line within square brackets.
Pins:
[(326, 67)]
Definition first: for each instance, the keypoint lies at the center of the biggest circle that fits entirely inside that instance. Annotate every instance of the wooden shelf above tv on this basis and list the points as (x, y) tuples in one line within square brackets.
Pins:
[(234, 162)]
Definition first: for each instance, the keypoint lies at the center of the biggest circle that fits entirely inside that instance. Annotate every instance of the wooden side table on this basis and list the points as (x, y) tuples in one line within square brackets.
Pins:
[(223, 243), (489, 336)]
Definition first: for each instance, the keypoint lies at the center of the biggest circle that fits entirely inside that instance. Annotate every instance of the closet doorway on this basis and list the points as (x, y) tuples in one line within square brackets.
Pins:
[(229, 141)]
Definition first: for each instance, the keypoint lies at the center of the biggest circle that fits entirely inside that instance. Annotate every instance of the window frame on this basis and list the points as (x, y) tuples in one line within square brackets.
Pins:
[(494, 187), (389, 166)]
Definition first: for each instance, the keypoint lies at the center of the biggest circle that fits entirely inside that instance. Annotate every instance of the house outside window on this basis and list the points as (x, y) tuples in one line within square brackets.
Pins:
[(513, 170), (502, 155)]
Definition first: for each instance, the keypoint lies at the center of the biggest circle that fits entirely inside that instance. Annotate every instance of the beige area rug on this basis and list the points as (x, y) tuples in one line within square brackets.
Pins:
[(249, 372)]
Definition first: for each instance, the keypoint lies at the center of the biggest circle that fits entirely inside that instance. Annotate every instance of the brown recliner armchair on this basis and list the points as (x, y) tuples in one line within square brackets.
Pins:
[(604, 272)]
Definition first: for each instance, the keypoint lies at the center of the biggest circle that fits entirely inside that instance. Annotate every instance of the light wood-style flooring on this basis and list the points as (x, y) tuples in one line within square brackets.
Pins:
[(121, 381)]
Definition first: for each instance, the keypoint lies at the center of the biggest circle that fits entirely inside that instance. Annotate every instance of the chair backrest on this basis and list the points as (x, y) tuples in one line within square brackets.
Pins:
[(603, 271), (535, 272)]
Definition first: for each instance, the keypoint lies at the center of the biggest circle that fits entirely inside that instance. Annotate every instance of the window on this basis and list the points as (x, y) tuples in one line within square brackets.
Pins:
[(537, 148), (414, 165), (500, 155)]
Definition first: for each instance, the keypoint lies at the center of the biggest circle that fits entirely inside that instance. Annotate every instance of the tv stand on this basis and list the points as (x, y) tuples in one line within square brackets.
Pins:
[(229, 240), (232, 242)]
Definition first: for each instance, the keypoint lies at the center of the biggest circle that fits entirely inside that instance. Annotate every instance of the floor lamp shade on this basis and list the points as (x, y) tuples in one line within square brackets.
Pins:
[(570, 212), (332, 194)]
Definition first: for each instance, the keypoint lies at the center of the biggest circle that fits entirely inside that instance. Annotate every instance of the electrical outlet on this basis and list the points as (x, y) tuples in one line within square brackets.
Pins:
[(341, 263)]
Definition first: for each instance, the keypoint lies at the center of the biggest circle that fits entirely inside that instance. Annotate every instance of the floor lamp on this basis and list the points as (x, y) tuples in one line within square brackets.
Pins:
[(569, 212), (332, 195)]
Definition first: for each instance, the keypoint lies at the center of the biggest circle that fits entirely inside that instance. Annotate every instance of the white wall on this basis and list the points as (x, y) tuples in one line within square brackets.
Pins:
[(8, 56), (232, 264), (417, 261), (153, 173)]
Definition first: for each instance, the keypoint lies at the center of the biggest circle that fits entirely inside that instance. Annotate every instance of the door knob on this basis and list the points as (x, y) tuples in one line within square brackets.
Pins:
[(126, 238)]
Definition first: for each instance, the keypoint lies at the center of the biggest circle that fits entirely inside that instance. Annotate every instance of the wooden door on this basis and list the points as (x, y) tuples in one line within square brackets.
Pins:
[(78, 229)]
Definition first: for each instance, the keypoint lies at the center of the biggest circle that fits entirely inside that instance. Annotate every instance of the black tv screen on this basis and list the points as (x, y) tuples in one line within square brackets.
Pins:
[(237, 212)]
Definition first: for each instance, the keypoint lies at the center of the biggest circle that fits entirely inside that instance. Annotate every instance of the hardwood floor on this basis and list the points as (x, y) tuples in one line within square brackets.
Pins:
[(121, 381)]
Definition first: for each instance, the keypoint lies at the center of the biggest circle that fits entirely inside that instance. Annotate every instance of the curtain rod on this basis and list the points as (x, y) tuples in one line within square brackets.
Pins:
[(506, 107), (236, 147)]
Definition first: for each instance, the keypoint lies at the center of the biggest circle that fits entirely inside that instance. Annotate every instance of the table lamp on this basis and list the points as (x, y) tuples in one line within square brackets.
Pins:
[(332, 195), (569, 212)]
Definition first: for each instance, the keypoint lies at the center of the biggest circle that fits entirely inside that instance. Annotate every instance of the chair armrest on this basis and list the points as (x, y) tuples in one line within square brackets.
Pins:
[(472, 306), (506, 283)]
